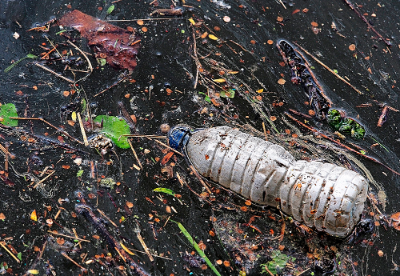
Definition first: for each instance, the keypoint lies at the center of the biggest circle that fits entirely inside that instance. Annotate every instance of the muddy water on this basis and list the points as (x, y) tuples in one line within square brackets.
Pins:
[(165, 62)]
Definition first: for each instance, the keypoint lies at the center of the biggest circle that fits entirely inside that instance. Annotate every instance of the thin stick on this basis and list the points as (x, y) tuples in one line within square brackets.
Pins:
[(87, 59), (340, 144), (85, 140), (104, 215), (196, 58), (145, 136), (44, 121), (111, 86), (367, 22), (3, 244), (66, 236), (200, 179), (77, 237), (134, 154), (43, 179), (143, 19), (120, 254), (51, 71), (140, 238), (280, 1), (265, 131), (69, 258), (329, 69), (168, 147)]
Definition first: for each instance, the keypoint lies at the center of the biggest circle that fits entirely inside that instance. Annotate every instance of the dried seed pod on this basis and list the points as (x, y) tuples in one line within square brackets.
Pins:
[(325, 196)]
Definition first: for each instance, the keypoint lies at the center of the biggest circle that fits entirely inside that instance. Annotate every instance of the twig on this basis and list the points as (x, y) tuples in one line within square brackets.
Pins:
[(51, 71), (85, 140), (329, 69), (168, 147), (44, 121), (143, 19), (196, 59), (134, 154), (265, 131), (104, 215), (382, 118), (367, 22), (43, 179), (200, 179), (145, 136), (280, 1), (69, 258), (77, 237), (87, 59), (3, 244), (183, 182), (111, 86), (140, 238), (66, 236), (340, 144)]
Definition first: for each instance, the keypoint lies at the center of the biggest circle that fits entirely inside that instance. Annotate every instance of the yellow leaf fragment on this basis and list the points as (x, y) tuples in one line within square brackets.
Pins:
[(33, 271), (260, 90), (73, 116), (126, 249), (192, 21), (233, 72), (213, 37), (219, 80), (33, 215)]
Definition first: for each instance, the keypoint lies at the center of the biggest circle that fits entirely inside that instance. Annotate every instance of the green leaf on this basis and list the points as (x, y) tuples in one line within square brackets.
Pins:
[(19, 256), (7, 111), (165, 191), (79, 173), (8, 69), (228, 94), (113, 128), (110, 9), (102, 61), (196, 246), (278, 260)]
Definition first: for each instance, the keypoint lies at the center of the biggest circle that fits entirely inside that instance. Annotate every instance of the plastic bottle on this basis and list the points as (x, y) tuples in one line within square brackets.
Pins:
[(325, 196)]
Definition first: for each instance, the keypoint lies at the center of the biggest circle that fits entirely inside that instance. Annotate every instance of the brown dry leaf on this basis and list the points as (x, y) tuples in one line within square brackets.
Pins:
[(395, 220), (119, 45), (129, 204), (281, 81), (296, 11)]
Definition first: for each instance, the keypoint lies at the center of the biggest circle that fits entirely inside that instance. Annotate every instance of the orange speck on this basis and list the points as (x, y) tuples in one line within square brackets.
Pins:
[(273, 118), (247, 202), (140, 22), (66, 93), (66, 167), (270, 42), (314, 24), (227, 264), (311, 112), (243, 208), (305, 10), (129, 29), (34, 87), (144, 29), (253, 42), (281, 81), (279, 19), (100, 8), (352, 47)]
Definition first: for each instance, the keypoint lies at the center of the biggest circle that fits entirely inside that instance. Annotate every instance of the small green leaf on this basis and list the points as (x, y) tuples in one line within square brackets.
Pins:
[(19, 256), (114, 128), (110, 9), (79, 173), (228, 94), (165, 191), (7, 111), (102, 61)]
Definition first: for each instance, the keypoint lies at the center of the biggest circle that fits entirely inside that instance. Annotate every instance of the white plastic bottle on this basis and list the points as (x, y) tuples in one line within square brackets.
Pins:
[(325, 196)]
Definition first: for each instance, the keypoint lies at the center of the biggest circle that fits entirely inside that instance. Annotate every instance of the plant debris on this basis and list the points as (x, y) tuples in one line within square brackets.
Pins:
[(119, 47)]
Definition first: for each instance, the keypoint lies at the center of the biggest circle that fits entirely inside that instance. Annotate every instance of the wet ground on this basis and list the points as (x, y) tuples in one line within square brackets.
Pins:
[(167, 60)]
